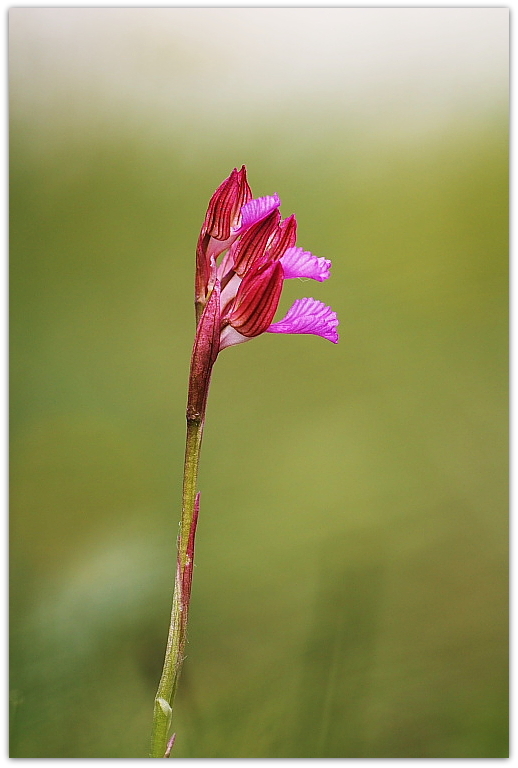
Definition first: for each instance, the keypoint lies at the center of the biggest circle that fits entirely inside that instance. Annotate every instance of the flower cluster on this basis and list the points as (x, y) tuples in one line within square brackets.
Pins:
[(237, 295)]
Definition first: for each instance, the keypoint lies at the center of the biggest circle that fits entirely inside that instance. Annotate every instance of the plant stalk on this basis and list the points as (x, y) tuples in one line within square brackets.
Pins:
[(174, 654), (205, 350)]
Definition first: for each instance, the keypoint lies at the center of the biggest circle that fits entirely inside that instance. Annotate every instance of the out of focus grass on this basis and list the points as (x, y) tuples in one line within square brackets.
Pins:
[(349, 598)]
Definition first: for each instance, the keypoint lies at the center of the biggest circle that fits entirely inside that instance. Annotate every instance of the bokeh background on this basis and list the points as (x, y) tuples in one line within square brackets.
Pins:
[(350, 592)]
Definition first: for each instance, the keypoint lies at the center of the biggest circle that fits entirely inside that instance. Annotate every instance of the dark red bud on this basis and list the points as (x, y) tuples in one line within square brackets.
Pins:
[(257, 299), (225, 205), (252, 245), (284, 238), (222, 214)]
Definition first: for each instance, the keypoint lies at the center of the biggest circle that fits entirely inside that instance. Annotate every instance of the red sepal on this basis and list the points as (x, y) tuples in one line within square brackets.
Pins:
[(222, 215), (252, 245), (285, 237), (257, 299), (225, 205), (204, 353)]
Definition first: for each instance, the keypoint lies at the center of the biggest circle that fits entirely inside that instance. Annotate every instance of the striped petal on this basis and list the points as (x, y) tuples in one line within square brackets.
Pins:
[(297, 262), (308, 316)]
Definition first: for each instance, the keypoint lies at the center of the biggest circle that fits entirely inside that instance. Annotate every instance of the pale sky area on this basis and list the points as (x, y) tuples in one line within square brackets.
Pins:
[(165, 65)]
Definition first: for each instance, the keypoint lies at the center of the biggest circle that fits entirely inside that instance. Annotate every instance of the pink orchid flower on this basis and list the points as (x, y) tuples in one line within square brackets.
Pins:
[(241, 293)]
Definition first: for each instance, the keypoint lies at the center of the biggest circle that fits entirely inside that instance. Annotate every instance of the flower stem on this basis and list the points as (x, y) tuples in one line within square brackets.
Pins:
[(174, 654), (204, 353)]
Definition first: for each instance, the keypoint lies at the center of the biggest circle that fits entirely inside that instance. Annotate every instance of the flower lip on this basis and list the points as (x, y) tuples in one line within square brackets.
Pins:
[(297, 262), (308, 316)]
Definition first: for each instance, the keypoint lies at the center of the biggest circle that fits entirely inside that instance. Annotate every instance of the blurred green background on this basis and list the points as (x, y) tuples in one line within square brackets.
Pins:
[(350, 590)]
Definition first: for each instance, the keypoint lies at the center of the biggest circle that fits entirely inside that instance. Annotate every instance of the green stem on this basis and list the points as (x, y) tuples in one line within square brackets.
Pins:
[(204, 353), (174, 654)]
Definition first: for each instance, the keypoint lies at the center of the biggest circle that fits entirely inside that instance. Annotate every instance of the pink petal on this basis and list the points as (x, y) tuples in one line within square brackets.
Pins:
[(308, 316), (297, 262), (227, 262), (216, 247), (229, 292), (229, 337), (257, 209)]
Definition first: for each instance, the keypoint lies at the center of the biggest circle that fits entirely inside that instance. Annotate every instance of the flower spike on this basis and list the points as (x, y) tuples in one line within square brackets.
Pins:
[(259, 253)]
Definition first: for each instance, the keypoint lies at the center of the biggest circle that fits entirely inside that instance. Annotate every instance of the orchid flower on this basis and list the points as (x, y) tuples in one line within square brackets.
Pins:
[(260, 255), (245, 252)]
